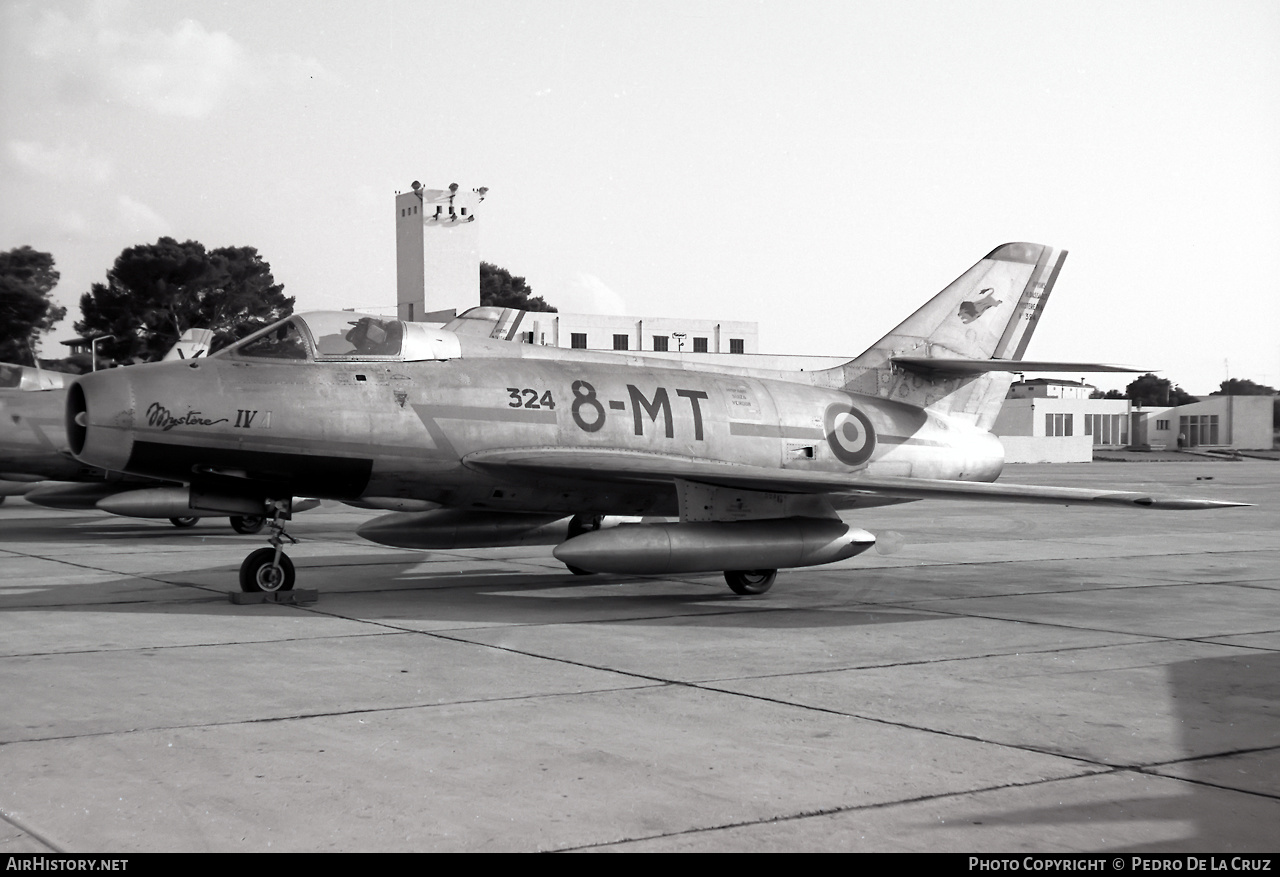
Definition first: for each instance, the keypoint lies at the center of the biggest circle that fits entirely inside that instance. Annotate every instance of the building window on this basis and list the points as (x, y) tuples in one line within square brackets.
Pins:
[(1162, 425), (735, 345), (699, 345), (1057, 424), (579, 341), (1199, 429), (1107, 429), (660, 342), (620, 342)]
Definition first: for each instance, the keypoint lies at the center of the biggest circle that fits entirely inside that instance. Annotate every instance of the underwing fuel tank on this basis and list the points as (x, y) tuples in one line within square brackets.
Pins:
[(659, 549), (151, 502), (457, 528), (443, 529), (175, 502), (71, 497)]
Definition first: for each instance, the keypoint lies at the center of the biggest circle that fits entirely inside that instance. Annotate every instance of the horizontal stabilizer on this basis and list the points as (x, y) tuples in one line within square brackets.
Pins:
[(955, 366)]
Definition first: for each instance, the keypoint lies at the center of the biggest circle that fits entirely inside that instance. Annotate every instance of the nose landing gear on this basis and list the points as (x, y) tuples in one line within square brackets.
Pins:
[(269, 569)]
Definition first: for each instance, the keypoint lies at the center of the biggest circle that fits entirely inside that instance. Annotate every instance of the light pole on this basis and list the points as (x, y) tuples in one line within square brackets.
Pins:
[(679, 336), (93, 348)]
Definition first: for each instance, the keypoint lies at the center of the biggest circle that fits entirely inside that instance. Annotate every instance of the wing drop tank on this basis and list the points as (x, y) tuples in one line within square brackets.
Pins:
[(659, 549)]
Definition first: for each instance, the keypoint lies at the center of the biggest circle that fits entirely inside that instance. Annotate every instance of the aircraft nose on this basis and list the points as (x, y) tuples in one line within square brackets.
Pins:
[(100, 418)]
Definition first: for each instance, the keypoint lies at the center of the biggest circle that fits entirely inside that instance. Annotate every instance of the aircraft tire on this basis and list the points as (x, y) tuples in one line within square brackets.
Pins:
[(248, 524), (578, 571), (750, 581), (258, 573), (183, 523)]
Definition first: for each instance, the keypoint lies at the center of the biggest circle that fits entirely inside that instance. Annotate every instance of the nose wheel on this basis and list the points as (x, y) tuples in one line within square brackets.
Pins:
[(269, 569), (262, 571)]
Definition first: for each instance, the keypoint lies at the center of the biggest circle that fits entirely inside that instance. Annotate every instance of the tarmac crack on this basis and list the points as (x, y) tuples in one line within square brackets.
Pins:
[(828, 811)]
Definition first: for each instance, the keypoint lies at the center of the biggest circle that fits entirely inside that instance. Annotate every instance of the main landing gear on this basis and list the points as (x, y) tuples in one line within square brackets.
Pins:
[(248, 524), (244, 524), (269, 569), (750, 581)]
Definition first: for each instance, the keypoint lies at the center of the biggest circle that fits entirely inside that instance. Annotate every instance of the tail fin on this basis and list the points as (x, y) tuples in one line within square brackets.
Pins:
[(989, 312)]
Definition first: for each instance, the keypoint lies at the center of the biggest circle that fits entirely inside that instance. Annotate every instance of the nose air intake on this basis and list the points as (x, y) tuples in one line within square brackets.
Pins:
[(99, 419), (77, 419)]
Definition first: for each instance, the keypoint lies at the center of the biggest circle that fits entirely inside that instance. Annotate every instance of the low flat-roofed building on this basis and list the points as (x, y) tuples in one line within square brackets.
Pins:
[(660, 334), (1058, 429), (1244, 422), (1050, 388)]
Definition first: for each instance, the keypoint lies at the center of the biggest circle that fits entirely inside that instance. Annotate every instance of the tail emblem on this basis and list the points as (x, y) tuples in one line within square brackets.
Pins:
[(971, 310), (850, 434)]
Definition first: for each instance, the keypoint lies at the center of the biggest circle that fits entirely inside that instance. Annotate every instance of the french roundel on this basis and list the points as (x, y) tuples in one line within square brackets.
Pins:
[(850, 434)]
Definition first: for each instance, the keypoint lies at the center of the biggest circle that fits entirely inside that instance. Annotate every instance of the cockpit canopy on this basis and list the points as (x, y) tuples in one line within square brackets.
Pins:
[(344, 336)]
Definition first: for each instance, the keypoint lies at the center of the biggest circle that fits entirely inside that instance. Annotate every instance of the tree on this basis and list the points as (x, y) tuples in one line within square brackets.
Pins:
[(1243, 387), (1153, 391), (1110, 394), (155, 292), (499, 289), (27, 278)]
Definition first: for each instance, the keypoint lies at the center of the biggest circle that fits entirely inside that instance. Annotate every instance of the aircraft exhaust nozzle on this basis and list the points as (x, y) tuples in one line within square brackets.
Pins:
[(659, 549), (100, 419)]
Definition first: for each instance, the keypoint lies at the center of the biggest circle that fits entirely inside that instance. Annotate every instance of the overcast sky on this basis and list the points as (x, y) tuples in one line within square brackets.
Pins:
[(819, 167)]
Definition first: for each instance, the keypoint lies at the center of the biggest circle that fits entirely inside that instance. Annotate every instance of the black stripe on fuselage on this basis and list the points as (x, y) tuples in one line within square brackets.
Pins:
[(338, 476)]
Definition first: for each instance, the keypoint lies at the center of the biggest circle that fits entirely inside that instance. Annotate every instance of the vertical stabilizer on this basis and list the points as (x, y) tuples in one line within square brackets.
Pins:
[(989, 312)]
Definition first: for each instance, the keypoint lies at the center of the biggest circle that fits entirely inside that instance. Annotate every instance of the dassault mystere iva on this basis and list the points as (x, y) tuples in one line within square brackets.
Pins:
[(479, 441), (36, 464)]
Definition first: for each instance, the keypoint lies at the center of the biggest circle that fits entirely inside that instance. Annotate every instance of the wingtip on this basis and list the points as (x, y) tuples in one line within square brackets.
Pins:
[(1183, 504), (1018, 251)]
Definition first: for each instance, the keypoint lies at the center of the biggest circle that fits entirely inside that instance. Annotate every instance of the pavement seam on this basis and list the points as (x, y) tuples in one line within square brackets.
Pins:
[(835, 811), (360, 711)]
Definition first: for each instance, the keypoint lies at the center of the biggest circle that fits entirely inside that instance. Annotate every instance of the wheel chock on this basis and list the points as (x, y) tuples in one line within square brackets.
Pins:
[(297, 595)]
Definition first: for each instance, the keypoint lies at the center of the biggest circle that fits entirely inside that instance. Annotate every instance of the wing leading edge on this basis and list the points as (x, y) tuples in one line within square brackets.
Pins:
[(643, 467)]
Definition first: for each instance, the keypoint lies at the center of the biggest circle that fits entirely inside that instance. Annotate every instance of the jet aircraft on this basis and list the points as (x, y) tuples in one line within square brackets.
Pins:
[(626, 464), (35, 461)]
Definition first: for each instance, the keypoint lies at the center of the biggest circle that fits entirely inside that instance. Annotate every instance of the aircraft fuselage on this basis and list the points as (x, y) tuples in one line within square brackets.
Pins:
[(375, 429)]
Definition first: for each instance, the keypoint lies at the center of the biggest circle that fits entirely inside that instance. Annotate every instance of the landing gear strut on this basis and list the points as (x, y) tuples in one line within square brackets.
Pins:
[(750, 581), (269, 569)]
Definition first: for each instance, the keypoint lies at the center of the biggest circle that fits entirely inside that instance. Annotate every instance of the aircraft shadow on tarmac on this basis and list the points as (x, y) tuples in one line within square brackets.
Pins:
[(1224, 710), (375, 590)]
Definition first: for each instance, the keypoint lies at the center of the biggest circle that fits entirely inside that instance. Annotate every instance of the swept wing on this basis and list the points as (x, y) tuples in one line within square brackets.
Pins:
[(628, 466)]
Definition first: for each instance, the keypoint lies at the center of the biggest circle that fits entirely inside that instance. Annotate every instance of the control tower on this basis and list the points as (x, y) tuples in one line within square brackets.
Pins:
[(437, 252)]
